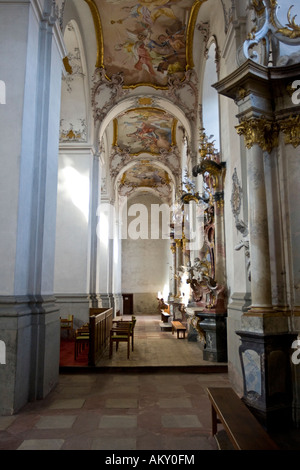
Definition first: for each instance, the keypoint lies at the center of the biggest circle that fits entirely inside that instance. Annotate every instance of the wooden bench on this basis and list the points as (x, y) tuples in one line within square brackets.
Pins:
[(177, 326), (241, 426)]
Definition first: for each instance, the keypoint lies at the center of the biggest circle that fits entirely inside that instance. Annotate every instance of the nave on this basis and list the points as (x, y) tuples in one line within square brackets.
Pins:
[(153, 347)]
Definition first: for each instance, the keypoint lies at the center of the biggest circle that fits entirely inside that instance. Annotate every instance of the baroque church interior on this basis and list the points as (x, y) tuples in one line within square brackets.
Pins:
[(150, 167)]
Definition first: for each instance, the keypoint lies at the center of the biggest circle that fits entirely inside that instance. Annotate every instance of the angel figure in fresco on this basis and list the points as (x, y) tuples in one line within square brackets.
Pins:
[(137, 45), (145, 133), (146, 11), (171, 46)]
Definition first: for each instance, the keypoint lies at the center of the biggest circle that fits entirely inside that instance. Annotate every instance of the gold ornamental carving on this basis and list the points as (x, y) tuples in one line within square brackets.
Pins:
[(259, 131), (291, 29), (291, 129)]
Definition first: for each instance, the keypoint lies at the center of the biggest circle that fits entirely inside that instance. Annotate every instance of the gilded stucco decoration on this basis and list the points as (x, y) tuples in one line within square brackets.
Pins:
[(259, 131), (291, 129), (73, 125)]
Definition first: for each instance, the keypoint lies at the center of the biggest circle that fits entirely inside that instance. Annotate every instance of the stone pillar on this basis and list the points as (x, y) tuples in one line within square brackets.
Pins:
[(220, 257), (95, 200), (174, 282), (29, 318), (258, 232)]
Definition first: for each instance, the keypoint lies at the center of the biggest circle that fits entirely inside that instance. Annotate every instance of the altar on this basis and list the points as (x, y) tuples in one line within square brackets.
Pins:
[(210, 328)]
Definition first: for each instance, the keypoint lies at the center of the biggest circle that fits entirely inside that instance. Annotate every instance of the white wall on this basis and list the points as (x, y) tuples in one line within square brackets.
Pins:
[(145, 262)]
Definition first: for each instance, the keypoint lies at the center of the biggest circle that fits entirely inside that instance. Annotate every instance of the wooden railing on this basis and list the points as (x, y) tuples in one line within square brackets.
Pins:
[(100, 326)]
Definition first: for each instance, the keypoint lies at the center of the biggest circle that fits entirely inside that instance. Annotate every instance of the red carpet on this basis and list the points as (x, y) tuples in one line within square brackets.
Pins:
[(67, 348)]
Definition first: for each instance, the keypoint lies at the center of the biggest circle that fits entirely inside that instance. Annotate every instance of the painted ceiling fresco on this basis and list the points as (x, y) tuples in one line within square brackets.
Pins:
[(145, 130), (145, 43), (150, 176), (145, 40), (144, 175)]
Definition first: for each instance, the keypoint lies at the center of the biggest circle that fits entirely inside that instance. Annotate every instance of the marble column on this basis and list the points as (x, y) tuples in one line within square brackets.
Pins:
[(220, 259), (258, 232)]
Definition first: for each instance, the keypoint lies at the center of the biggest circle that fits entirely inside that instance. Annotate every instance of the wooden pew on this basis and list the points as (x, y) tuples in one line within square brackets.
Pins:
[(241, 426), (177, 326), (100, 325)]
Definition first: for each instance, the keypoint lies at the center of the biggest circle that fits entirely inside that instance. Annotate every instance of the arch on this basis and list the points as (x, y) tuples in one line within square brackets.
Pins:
[(128, 103)]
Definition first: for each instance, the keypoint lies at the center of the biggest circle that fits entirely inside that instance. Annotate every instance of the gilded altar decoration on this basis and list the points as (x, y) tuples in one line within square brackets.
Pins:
[(259, 131), (291, 129), (291, 30)]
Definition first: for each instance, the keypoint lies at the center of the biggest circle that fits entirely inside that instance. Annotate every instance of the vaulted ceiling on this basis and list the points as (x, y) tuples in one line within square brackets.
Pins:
[(148, 48)]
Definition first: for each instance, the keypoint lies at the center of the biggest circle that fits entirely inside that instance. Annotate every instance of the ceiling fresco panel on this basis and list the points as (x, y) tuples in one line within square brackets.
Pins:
[(147, 41), (145, 130)]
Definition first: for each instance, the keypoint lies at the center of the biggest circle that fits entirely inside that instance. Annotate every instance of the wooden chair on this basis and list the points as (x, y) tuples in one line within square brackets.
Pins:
[(67, 324), (132, 322), (118, 334), (82, 339)]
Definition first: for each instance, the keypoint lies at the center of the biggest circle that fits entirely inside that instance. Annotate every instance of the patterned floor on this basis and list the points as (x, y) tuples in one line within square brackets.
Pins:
[(155, 347), (119, 409), (116, 408)]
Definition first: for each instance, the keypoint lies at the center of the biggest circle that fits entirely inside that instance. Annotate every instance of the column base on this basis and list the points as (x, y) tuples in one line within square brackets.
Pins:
[(30, 331), (265, 361), (214, 327)]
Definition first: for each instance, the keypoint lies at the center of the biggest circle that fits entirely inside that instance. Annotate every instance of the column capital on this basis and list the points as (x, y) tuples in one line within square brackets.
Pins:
[(291, 128), (261, 131)]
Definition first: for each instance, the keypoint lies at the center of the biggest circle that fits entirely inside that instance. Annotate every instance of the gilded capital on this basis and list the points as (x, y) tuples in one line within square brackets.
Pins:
[(259, 131), (291, 129)]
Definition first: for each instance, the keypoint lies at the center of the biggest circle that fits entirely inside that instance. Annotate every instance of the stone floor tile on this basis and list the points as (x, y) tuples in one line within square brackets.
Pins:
[(174, 403), (120, 443), (118, 421), (6, 421), (41, 444), (68, 403), (56, 422), (180, 421), (121, 403)]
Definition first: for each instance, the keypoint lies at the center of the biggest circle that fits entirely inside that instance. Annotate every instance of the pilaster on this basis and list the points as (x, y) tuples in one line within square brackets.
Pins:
[(29, 316)]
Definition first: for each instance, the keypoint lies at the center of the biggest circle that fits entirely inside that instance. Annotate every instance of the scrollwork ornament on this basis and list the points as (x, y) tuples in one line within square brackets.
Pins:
[(114, 86), (271, 28)]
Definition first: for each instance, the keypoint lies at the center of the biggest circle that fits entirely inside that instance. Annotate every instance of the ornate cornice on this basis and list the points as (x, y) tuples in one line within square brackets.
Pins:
[(259, 131), (291, 129)]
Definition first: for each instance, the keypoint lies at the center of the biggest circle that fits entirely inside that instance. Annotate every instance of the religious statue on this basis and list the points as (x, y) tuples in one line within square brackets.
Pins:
[(207, 293)]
